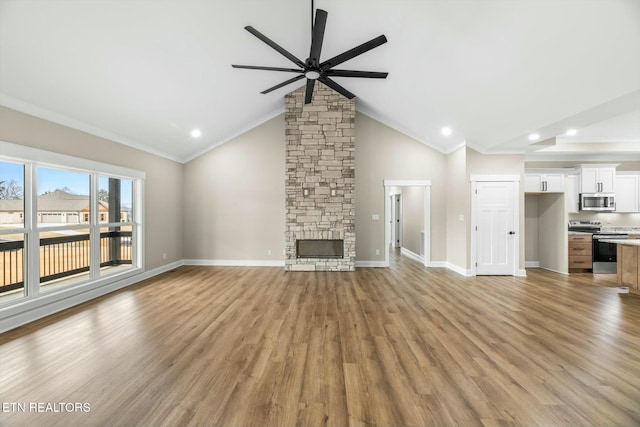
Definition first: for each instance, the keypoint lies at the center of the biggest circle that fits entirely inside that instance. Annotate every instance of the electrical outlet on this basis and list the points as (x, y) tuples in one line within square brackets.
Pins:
[(377, 251), (164, 255), (269, 252)]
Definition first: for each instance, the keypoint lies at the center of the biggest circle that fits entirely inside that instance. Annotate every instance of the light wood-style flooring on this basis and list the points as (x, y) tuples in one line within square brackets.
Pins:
[(403, 346)]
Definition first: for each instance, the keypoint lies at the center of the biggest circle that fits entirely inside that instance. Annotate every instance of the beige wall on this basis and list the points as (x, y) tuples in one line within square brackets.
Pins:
[(384, 153), (228, 204), (163, 184), (235, 198), (250, 170), (236, 192), (412, 218), (552, 233), (458, 203), (546, 231), (531, 228)]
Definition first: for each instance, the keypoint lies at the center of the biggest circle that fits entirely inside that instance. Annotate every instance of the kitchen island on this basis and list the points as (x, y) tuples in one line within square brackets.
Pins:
[(628, 263)]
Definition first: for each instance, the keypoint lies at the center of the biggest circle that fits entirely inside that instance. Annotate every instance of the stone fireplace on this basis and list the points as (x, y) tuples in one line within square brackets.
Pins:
[(320, 181)]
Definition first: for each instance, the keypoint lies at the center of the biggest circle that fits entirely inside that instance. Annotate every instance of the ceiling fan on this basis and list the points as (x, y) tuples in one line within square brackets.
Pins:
[(313, 69)]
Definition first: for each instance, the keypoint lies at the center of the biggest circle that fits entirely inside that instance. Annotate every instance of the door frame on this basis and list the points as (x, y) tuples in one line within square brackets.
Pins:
[(388, 183), (475, 178)]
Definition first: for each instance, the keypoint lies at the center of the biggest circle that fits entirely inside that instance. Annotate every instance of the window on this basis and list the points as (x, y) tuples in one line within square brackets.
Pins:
[(80, 218), (64, 243), (12, 237), (116, 236)]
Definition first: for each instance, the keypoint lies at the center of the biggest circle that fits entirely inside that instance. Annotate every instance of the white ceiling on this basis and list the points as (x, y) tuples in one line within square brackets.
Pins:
[(146, 72)]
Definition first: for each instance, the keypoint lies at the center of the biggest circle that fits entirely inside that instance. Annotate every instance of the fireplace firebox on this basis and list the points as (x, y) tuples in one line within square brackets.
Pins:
[(316, 248)]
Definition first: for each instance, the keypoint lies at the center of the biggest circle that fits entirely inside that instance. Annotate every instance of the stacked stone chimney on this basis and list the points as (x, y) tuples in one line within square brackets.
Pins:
[(320, 177)]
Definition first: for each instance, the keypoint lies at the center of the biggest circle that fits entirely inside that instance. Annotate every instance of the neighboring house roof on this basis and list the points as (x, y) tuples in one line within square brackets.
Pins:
[(56, 201), (61, 201), (11, 205)]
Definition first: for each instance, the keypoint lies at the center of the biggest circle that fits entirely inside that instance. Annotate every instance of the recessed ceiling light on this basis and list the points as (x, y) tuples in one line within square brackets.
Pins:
[(196, 133), (533, 136), (446, 131), (571, 132)]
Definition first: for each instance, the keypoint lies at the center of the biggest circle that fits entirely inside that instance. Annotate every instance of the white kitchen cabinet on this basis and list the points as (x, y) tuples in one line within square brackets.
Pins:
[(543, 182), (572, 194), (627, 194), (597, 179)]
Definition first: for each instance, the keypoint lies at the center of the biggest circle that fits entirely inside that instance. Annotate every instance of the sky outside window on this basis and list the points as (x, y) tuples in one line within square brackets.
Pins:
[(50, 180), (12, 172)]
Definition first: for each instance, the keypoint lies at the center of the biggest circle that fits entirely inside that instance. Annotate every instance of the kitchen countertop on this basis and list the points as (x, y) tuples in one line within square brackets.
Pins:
[(628, 242), (631, 231), (616, 229)]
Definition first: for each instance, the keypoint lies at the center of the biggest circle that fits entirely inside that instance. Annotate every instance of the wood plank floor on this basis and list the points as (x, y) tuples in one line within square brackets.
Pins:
[(404, 346)]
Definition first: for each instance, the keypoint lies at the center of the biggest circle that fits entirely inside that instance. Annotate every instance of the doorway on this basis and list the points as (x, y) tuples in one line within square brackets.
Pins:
[(396, 219), (393, 236)]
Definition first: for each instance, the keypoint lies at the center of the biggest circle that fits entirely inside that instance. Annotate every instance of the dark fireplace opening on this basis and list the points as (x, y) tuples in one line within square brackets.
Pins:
[(315, 248)]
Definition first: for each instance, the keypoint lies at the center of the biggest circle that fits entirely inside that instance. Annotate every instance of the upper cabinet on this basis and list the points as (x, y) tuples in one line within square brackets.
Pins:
[(597, 178), (628, 192), (543, 182)]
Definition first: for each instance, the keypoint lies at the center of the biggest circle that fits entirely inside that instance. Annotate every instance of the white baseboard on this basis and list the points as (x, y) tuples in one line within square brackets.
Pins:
[(521, 273), (532, 264), (375, 264), (460, 270), (234, 262), (438, 264), (410, 254), (30, 310), (555, 271)]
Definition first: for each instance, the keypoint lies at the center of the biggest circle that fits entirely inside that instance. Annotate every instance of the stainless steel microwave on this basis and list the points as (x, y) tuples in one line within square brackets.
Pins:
[(601, 202)]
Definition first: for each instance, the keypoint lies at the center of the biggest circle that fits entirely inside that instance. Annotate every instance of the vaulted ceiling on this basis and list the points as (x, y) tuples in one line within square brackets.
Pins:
[(147, 72)]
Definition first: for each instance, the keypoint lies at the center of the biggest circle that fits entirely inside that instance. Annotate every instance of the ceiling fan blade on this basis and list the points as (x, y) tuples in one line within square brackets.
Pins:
[(308, 96), (275, 46), (318, 37), (335, 86), (258, 67), (352, 53), (350, 73), (278, 86)]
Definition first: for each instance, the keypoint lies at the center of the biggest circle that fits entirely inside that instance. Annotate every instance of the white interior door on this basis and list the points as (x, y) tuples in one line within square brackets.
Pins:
[(495, 234)]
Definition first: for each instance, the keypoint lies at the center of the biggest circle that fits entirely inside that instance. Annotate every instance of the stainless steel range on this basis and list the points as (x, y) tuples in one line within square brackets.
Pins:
[(584, 226), (605, 253)]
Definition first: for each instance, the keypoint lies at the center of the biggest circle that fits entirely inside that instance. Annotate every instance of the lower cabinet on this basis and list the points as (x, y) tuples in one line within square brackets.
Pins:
[(629, 267), (580, 252)]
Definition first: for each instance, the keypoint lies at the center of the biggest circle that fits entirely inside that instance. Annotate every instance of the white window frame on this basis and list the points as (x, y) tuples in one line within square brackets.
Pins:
[(35, 302)]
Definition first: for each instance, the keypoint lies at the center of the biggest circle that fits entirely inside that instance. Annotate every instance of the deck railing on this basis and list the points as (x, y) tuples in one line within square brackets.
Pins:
[(63, 256)]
